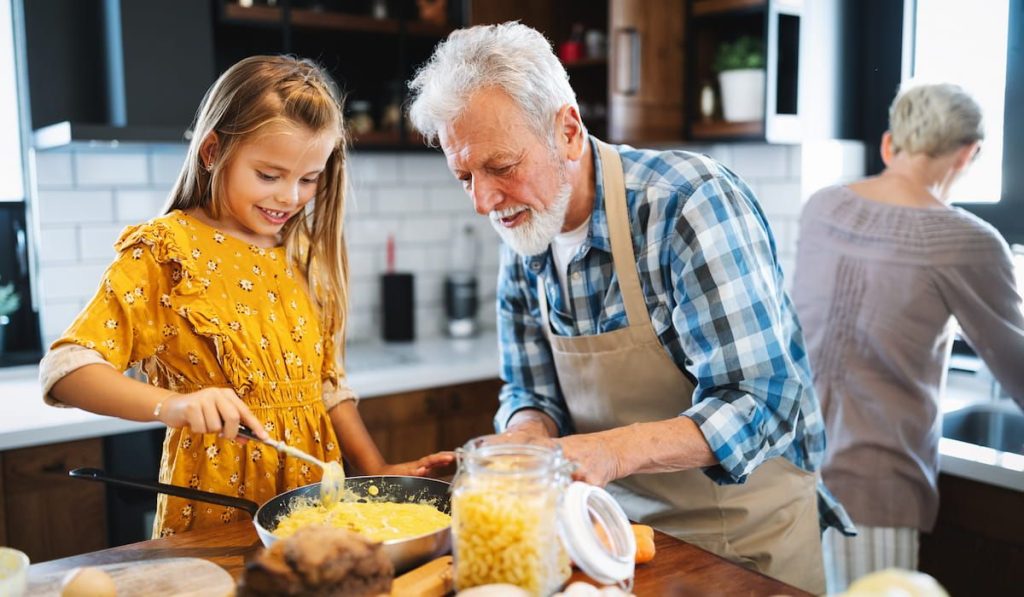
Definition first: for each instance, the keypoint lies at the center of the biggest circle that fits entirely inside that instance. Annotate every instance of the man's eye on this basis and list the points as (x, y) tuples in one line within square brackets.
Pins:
[(265, 176), (502, 170), (466, 181)]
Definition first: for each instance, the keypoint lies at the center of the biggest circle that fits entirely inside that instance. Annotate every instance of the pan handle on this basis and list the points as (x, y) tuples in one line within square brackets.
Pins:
[(95, 474)]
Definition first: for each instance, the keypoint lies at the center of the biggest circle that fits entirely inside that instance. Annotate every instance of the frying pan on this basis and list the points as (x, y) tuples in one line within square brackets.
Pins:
[(405, 554)]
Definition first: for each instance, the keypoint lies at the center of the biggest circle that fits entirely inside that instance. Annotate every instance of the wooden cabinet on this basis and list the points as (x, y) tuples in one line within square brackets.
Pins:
[(45, 513), (646, 71), (413, 424), (977, 546)]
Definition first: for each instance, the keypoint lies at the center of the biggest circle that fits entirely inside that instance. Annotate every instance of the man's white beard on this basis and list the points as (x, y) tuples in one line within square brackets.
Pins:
[(533, 236)]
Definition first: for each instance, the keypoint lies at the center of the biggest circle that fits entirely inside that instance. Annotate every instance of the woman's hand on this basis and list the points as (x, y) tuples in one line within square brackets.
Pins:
[(424, 467), (210, 410)]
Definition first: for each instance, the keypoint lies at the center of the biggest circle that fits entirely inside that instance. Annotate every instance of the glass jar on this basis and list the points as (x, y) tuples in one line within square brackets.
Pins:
[(516, 519)]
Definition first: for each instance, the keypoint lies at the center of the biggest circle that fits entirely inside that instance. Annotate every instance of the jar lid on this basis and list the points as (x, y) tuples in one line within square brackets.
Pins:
[(596, 533)]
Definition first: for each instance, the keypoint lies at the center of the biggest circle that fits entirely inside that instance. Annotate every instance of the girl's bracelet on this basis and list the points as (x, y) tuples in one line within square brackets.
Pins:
[(160, 405)]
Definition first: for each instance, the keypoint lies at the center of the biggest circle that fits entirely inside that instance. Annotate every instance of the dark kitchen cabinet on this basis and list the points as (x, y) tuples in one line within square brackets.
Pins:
[(977, 546), (371, 48), (119, 70), (45, 513)]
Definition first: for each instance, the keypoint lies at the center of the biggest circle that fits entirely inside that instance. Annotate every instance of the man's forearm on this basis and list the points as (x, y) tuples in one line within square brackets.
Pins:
[(532, 420), (660, 446)]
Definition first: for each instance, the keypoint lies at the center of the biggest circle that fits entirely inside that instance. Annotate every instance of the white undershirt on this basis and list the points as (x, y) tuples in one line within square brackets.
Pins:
[(563, 249)]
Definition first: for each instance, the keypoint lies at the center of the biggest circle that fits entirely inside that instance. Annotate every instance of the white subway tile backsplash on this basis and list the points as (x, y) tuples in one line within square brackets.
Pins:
[(68, 282), (363, 262), (368, 169), (165, 164), (97, 242), (449, 199), (57, 315), (420, 169), (58, 244), (370, 232), (54, 169), (429, 289), (425, 230), (779, 198), (75, 206), (760, 161), (399, 200), (111, 168), (137, 206)]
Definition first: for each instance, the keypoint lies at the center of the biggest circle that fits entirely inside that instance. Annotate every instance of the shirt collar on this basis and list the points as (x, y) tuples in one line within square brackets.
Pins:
[(598, 235)]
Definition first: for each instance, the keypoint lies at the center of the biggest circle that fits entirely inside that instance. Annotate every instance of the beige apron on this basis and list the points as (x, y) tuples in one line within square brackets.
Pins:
[(769, 523)]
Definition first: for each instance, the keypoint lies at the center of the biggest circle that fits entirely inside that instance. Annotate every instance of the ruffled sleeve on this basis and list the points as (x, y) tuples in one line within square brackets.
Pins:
[(336, 389), (117, 319)]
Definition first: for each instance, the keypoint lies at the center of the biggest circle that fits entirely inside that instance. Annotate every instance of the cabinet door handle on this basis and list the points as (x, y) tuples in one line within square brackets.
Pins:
[(627, 61), (56, 467)]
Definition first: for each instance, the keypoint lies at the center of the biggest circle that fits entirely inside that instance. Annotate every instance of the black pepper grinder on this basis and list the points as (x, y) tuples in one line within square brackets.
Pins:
[(397, 299)]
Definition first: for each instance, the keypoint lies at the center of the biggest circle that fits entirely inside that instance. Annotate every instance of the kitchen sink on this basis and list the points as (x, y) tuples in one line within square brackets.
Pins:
[(998, 425)]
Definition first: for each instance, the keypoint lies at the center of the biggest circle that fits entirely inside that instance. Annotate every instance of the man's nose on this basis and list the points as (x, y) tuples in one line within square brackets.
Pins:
[(486, 196)]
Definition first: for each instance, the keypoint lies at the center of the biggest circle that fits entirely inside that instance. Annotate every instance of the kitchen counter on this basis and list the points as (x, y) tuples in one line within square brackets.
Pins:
[(970, 461), (678, 568), (374, 369)]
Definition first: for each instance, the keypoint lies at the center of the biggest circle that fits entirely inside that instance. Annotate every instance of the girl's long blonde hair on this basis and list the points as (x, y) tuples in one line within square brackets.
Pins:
[(254, 93)]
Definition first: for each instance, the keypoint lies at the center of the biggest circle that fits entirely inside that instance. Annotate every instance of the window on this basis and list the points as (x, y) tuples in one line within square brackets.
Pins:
[(979, 46), (11, 173)]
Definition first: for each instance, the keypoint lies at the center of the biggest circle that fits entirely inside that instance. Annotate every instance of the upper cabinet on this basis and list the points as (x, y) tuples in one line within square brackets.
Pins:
[(371, 47), (120, 70), (646, 71), (743, 72)]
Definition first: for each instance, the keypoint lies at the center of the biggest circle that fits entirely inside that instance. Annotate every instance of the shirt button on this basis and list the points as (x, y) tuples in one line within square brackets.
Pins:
[(576, 276)]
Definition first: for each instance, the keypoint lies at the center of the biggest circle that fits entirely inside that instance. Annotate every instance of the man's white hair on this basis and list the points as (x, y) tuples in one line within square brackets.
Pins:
[(509, 56)]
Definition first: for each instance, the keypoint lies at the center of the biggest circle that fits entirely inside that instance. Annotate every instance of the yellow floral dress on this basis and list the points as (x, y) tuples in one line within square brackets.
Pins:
[(195, 307)]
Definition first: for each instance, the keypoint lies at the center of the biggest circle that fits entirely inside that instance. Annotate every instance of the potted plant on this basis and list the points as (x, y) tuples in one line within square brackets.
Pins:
[(9, 303), (741, 75)]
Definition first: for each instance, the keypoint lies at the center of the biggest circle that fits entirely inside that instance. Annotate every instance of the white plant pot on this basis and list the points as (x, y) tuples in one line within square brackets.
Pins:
[(742, 94)]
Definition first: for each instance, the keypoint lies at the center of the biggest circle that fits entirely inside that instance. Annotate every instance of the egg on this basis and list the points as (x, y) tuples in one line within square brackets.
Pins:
[(88, 582), (895, 582)]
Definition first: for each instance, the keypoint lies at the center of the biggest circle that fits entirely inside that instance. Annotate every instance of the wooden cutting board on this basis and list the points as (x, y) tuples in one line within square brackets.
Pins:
[(168, 576)]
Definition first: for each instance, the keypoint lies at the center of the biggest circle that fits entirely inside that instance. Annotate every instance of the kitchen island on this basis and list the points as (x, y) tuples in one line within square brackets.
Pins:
[(678, 568)]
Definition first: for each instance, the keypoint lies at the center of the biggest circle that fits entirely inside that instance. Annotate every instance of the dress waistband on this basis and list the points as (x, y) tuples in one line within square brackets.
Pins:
[(276, 394)]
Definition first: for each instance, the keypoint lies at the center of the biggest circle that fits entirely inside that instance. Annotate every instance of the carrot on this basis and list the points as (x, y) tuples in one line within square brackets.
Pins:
[(644, 541)]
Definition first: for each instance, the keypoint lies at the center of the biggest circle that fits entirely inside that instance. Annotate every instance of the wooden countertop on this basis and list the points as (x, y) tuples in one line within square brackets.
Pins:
[(678, 568)]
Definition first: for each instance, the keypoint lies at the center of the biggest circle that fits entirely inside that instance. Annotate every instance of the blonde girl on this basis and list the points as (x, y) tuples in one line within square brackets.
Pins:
[(233, 302)]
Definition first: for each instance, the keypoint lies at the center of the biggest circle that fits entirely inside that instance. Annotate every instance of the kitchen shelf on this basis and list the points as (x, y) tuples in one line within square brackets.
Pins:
[(302, 18), (720, 129), (702, 8), (586, 63)]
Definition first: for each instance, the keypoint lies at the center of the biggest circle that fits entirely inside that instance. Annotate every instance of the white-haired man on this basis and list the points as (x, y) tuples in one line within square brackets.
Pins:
[(641, 310)]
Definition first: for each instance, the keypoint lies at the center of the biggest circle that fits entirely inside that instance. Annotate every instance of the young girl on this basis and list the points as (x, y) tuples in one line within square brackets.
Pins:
[(232, 303)]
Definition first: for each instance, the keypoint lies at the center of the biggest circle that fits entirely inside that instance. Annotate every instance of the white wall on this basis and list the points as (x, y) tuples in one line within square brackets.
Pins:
[(87, 195)]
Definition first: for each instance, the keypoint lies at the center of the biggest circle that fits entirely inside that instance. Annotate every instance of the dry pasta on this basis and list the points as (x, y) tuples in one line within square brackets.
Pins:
[(502, 537)]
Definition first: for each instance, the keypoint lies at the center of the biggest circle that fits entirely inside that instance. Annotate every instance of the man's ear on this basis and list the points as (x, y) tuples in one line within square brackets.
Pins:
[(209, 150), (571, 133)]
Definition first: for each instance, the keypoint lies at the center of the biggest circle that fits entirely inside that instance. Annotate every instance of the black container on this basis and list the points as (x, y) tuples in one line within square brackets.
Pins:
[(397, 298), (460, 302)]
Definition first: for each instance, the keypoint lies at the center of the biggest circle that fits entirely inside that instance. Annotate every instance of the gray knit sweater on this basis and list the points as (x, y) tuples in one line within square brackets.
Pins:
[(877, 288)]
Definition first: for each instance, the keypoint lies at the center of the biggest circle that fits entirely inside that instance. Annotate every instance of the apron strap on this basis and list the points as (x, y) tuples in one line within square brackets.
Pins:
[(623, 257)]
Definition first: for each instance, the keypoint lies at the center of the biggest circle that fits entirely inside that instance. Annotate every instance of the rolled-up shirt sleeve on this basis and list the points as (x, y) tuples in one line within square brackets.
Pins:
[(527, 367), (729, 315)]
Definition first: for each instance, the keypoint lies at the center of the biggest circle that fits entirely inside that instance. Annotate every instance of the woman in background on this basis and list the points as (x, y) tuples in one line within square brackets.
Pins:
[(884, 265)]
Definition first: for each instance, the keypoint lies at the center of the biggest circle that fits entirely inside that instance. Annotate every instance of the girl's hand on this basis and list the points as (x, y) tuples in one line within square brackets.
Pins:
[(423, 467), (210, 410)]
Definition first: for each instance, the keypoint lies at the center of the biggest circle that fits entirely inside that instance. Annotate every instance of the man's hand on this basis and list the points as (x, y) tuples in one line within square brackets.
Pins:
[(596, 457)]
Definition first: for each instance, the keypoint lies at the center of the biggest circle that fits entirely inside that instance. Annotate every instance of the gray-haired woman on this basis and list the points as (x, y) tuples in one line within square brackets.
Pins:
[(883, 267)]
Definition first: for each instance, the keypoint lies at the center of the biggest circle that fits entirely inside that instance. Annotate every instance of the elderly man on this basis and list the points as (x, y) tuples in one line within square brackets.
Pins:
[(641, 310)]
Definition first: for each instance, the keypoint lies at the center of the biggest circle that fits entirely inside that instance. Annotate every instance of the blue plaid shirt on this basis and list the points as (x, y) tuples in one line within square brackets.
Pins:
[(714, 290)]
